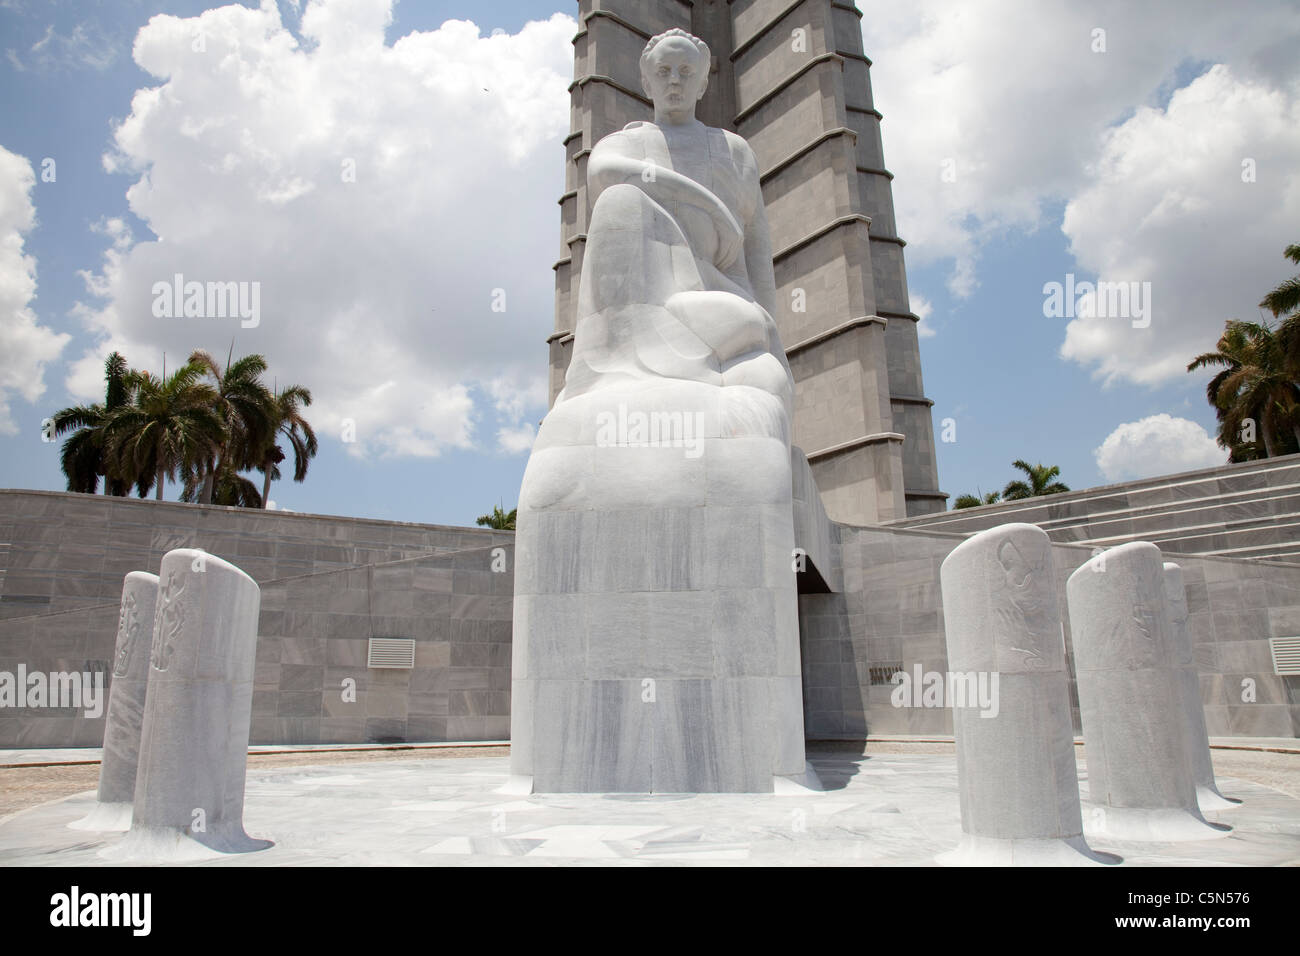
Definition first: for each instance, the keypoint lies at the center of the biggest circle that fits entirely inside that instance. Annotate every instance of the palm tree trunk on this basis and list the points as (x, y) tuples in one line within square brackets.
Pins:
[(1266, 431), (162, 476), (209, 482), (266, 487)]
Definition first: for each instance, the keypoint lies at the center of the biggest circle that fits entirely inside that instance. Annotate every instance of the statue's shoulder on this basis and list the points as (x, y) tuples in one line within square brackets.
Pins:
[(636, 124), (628, 140), (741, 152)]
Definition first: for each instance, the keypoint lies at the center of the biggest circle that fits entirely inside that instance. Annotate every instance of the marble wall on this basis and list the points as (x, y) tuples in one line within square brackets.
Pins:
[(61, 551), (884, 612), (890, 617), (311, 682)]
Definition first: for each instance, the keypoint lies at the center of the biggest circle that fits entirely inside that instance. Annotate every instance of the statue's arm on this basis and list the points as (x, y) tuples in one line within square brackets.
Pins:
[(614, 160), (758, 245)]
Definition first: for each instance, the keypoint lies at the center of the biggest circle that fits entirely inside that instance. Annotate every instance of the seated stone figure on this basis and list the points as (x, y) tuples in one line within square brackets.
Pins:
[(656, 631)]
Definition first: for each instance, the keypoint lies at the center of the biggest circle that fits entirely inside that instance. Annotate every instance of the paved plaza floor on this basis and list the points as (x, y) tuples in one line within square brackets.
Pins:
[(877, 810)]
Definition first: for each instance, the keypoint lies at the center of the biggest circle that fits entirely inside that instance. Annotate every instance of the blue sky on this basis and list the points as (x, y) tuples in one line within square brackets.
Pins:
[(1122, 163)]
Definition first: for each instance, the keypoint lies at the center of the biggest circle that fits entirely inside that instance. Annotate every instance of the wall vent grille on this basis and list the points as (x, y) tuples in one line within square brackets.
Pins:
[(1286, 655), (395, 652), (883, 674)]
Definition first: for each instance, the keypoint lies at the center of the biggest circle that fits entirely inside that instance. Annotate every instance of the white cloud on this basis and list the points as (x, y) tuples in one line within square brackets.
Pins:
[(923, 308), (25, 345), (379, 194), (516, 439), (1156, 445), (85, 46), (1012, 93), (1168, 206)]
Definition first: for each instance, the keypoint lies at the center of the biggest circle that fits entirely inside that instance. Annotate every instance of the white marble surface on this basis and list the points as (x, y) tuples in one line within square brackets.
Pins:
[(1130, 697), (189, 794), (886, 810), (126, 701), (656, 643), (1188, 679), (1016, 767)]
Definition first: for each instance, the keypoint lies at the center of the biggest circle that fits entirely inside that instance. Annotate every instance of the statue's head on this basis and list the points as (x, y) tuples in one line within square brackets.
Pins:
[(675, 70)]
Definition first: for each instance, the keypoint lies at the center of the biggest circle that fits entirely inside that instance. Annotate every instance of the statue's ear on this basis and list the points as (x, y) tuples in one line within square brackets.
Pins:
[(645, 81)]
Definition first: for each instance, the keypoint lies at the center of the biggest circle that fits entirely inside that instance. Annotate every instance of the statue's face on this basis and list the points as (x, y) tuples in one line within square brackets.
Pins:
[(675, 74)]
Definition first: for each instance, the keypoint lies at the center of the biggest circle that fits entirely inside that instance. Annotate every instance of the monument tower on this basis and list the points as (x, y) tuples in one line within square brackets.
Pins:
[(792, 79)]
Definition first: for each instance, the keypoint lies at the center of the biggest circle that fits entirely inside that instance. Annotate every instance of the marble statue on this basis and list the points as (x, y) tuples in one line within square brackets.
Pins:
[(656, 621), (1016, 776), (189, 791), (1140, 784), (126, 701)]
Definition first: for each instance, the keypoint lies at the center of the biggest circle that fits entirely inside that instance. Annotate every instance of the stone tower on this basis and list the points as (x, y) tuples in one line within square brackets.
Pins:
[(793, 80)]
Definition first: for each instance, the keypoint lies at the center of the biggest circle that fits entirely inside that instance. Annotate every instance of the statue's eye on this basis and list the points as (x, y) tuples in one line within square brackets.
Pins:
[(663, 71), (686, 71)]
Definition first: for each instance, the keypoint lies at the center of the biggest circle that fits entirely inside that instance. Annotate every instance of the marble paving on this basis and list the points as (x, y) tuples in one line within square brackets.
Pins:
[(882, 810)]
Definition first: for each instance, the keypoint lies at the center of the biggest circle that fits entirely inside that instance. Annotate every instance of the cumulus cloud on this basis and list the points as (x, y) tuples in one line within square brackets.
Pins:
[(25, 345), (1156, 445), (512, 399), (395, 203), (1009, 97), (516, 439), (1202, 216)]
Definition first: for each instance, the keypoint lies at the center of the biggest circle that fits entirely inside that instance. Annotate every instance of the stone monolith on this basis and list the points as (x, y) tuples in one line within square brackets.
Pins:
[(124, 719), (1208, 796), (1139, 776), (189, 792), (1016, 773)]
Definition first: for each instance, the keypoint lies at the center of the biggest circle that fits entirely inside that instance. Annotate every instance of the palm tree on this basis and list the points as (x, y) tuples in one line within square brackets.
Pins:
[(1285, 299), (245, 407), (1040, 482), (1256, 382), (82, 458), (229, 487), (171, 427), (1284, 303), (975, 500), (287, 420), (498, 519)]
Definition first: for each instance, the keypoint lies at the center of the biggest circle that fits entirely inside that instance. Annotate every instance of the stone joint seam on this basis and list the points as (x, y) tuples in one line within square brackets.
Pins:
[(763, 30), (782, 84), (615, 18), (806, 149), (819, 233), (834, 331), (611, 82), (873, 439)]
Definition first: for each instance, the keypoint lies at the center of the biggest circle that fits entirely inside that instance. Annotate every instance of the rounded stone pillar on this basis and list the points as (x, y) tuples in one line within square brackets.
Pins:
[(189, 792), (1130, 700), (1016, 773), (126, 701), (1208, 796)]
